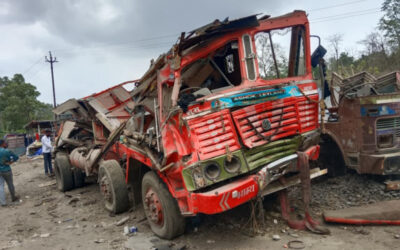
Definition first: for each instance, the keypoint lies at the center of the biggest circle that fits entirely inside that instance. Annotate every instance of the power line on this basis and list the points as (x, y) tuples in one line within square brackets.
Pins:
[(348, 14), (344, 17), (31, 67), (34, 75), (120, 43), (94, 51), (336, 5)]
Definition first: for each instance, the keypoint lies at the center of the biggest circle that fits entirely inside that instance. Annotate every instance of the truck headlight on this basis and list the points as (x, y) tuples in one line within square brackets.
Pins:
[(212, 171), (385, 141), (232, 166)]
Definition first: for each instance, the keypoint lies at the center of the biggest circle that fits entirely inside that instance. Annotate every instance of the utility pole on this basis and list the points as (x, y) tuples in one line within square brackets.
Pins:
[(51, 61)]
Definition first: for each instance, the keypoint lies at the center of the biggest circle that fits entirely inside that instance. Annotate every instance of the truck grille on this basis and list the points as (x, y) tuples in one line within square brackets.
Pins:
[(286, 117), (213, 134), (392, 123), (308, 113), (263, 155)]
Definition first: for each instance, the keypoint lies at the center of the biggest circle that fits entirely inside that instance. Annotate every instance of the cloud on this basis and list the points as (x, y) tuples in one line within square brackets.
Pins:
[(92, 21), (103, 42)]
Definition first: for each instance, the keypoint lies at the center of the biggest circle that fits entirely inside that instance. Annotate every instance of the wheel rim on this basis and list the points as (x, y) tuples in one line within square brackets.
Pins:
[(153, 207), (105, 189)]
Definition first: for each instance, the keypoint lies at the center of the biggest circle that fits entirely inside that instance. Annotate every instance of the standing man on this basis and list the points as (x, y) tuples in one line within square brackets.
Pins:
[(46, 150), (6, 158)]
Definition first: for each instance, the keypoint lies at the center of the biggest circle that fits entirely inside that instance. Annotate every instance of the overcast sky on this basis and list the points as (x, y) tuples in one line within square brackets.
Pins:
[(100, 43)]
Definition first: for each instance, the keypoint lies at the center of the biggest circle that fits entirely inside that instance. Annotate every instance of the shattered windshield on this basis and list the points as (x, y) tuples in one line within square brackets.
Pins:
[(280, 53)]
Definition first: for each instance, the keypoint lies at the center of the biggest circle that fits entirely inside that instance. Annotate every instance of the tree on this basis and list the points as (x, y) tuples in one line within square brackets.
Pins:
[(335, 41), (19, 104), (374, 43), (390, 22)]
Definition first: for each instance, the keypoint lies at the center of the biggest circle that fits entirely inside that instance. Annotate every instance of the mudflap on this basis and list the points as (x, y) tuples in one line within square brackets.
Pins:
[(308, 222)]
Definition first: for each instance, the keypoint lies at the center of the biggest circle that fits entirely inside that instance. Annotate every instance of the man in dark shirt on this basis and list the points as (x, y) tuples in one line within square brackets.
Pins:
[(6, 158)]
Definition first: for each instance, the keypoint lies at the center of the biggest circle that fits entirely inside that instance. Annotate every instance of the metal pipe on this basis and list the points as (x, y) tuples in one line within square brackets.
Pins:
[(157, 128)]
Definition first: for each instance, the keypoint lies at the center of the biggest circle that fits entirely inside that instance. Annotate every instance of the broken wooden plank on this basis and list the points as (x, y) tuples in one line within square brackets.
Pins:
[(48, 183)]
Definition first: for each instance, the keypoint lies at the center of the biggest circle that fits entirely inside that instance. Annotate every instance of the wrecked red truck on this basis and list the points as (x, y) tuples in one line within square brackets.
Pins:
[(230, 113)]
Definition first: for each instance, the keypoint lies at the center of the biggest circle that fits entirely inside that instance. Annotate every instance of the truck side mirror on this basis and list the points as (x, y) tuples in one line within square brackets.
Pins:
[(317, 55)]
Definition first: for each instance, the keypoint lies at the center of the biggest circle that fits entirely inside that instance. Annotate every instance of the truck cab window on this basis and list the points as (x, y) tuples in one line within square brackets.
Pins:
[(218, 70), (280, 53)]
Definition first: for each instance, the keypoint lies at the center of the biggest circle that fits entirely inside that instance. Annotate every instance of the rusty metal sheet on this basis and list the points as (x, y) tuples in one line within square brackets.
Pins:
[(386, 212), (392, 185)]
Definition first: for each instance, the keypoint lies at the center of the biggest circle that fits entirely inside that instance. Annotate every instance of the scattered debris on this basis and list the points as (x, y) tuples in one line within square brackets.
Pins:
[(48, 199), (276, 237), (46, 235), (89, 202), (392, 185), (362, 231), (37, 203), (296, 244), (122, 221), (130, 230), (99, 241), (73, 200), (53, 207), (48, 183)]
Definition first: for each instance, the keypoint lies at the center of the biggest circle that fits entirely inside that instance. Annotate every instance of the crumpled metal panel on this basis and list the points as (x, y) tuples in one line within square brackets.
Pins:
[(212, 133), (276, 120), (265, 154), (112, 106), (279, 115)]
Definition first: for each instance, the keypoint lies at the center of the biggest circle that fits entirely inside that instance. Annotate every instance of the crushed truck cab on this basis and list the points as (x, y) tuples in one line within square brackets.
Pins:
[(222, 117)]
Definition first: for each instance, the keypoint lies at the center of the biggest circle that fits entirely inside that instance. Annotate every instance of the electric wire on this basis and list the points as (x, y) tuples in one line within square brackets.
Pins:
[(336, 5), (373, 10), (32, 66), (344, 17)]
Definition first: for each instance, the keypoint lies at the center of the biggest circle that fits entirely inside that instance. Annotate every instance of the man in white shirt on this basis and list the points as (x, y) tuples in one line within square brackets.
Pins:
[(46, 150)]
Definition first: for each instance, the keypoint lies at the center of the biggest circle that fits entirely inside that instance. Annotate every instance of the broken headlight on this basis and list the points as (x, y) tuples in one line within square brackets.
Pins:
[(212, 171), (385, 141)]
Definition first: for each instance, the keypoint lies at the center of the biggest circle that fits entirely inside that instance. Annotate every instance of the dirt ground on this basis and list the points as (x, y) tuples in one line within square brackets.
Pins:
[(48, 219)]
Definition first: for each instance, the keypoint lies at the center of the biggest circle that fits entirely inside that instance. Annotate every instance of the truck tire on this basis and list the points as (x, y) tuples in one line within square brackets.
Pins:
[(79, 178), (161, 208), (331, 158), (113, 186), (64, 175)]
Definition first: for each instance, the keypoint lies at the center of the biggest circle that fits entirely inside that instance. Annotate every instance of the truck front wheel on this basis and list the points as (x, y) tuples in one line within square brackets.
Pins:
[(79, 178), (161, 208), (113, 186), (64, 175)]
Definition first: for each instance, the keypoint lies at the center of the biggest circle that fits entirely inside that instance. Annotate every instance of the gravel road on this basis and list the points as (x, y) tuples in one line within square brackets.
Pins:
[(48, 219)]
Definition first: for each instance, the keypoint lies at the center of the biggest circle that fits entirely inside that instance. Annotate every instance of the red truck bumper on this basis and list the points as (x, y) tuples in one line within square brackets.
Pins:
[(241, 191)]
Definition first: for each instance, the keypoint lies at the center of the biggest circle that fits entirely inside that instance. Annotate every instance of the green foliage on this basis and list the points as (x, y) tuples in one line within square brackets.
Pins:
[(390, 22), (381, 53), (19, 104)]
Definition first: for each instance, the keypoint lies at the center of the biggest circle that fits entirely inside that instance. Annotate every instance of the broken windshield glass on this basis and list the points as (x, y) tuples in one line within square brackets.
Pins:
[(280, 53)]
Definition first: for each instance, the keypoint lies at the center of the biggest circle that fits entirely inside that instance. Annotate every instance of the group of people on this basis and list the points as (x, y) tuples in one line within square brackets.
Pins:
[(7, 157)]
